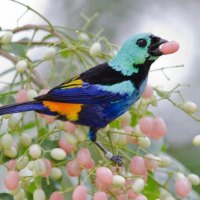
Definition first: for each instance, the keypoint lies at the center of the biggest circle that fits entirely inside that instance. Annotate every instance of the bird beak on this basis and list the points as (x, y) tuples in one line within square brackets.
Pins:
[(154, 48)]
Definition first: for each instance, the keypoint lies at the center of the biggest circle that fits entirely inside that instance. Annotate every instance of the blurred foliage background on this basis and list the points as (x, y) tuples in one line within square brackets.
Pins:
[(172, 19)]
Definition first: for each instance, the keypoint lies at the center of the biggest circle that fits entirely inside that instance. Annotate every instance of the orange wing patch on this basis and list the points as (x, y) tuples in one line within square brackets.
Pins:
[(67, 109)]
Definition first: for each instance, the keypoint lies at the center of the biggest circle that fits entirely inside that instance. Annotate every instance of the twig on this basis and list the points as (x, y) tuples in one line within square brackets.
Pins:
[(38, 27), (170, 67), (37, 13), (39, 81)]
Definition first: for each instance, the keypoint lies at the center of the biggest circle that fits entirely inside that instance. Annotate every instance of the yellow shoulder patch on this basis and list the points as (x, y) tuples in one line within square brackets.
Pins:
[(73, 84), (66, 109)]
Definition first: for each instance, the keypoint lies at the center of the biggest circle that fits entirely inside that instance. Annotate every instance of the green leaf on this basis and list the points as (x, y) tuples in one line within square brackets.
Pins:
[(48, 145), (31, 187), (49, 186), (15, 48), (43, 131), (5, 196), (151, 190), (48, 36), (65, 54), (29, 125)]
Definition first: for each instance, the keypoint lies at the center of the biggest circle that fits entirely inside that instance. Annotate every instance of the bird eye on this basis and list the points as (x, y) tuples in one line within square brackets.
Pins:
[(141, 42)]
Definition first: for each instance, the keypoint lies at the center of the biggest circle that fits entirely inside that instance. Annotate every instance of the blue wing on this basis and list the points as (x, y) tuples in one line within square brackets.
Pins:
[(82, 93)]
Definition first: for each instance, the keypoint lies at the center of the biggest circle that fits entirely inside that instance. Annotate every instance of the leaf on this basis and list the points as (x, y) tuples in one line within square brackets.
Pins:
[(15, 48), (48, 145), (65, 53), (5, 196), (29, 125), (49, 186), (48, 36), (151, 190)]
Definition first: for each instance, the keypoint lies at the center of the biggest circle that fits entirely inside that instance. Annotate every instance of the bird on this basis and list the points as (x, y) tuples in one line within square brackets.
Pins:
[(102, 93)]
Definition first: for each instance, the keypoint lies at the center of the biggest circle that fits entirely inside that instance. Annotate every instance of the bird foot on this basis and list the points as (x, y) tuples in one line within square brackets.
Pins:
[(114, 158), (117, 160)]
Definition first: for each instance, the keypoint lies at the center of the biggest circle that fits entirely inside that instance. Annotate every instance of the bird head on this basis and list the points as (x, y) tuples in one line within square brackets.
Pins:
[(136, 51)]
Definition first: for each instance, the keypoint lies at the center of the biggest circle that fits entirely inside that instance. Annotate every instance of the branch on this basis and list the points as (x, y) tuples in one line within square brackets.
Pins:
[(37, 13), (38, 81), (38, 27)]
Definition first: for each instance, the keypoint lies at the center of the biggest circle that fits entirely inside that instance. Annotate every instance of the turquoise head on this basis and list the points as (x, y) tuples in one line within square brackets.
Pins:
[(136, 51)]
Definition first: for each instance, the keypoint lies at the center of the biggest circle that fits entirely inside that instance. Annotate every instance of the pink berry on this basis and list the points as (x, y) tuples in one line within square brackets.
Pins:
[(49, 119), (140, 197), (73, 168), (138, 165), (21, 96), (104, 175), (70, 127), (79, 193), (48, 168), (100, 196), (56, 196), (183, 187), (90, 165), (169, 47), (159, 128), (131, 194), (148, 92), (128, 129), (68, 148), (101, 186), (146, 125), (11, 180), (84, 157), (125, 119), (151, 164), (121, 197), (11, 164)]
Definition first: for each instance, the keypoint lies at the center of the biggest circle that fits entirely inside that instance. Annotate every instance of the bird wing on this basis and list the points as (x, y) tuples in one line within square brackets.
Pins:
[(77, 91), (100, 84)]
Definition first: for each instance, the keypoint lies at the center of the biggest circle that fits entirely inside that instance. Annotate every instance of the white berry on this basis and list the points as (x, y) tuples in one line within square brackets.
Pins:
[(95, 49), (144, 142), (56, 173), (58, 154), (196, 140), (21, 66), (118, 181), (7, 37), (35, 151), (165, 161), (31, 94), (138, 185), (194, 179), (82, 36), (39, 167), (50, 53), (25, 140), (189, 107), (38, 194), (11, 152), (6, 141)]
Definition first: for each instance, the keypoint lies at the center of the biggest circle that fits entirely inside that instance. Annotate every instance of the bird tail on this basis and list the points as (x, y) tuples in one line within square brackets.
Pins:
[(21, 107)]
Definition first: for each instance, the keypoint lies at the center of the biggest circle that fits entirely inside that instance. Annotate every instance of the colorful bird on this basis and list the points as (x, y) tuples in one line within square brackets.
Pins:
[(101, 94)]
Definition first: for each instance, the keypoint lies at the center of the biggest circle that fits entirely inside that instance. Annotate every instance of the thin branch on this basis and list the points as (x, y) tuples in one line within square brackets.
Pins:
[(38, 81), (164, 68), (37, 13), (37, 27), (8, 56)]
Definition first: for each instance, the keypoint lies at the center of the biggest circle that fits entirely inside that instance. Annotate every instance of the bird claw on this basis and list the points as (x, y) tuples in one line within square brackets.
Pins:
[(117, 160)]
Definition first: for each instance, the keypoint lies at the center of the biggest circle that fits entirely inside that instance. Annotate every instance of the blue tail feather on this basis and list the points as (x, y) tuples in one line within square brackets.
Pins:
[(21, 107)]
